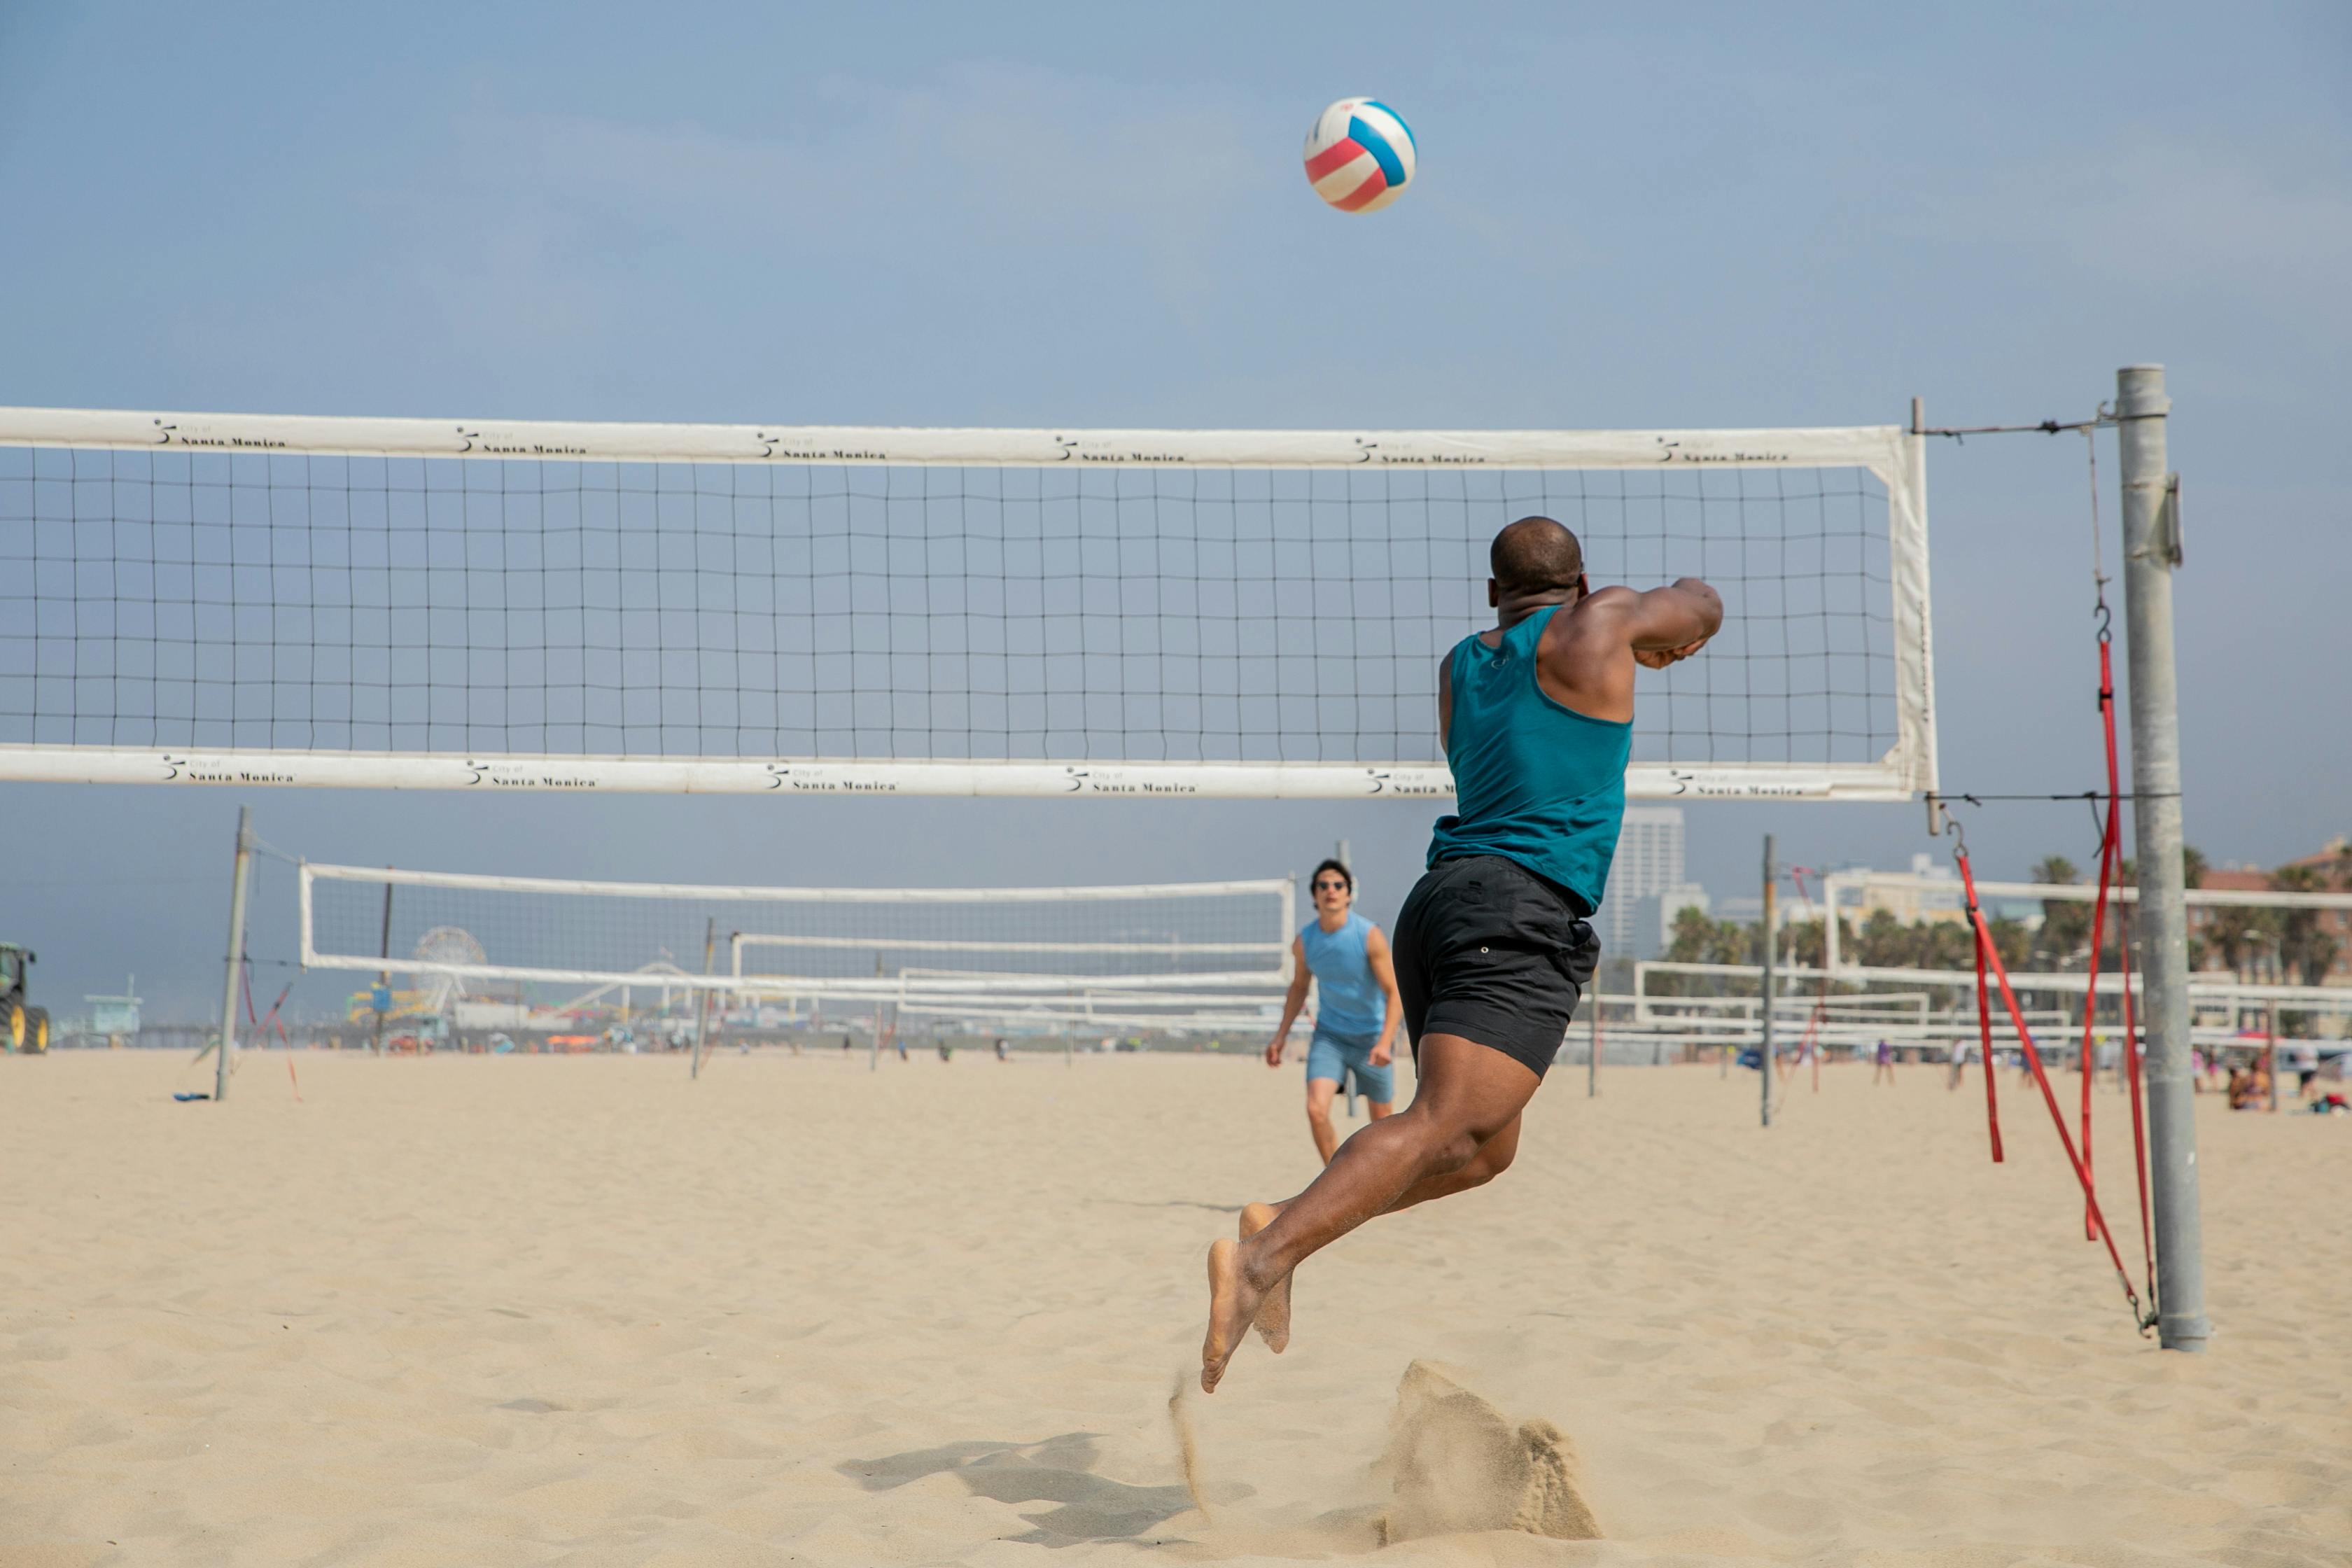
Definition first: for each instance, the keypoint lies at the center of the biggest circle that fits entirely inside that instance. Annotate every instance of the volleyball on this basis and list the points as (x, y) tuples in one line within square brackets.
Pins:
[(1359, 155)]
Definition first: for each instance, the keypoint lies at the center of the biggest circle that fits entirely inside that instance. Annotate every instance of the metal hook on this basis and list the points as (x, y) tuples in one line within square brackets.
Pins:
[(1951, 827)]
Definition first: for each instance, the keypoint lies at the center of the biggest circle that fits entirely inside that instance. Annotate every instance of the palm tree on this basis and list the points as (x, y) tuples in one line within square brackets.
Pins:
[(2239, 937), (2306, 946), (2065, 923)]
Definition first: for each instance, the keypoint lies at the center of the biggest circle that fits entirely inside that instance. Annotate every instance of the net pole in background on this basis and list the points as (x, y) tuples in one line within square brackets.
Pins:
[(235, 949), (1771, 942), (1339, 853), (2151, 550), (381, 999), (1592, 1054), (702, 997)]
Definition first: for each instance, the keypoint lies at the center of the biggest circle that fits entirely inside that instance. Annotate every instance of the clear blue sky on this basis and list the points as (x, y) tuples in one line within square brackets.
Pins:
[(1090, 214)]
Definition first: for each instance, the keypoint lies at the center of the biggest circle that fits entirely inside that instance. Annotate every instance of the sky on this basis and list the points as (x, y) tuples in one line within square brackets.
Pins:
[(1087, 216)]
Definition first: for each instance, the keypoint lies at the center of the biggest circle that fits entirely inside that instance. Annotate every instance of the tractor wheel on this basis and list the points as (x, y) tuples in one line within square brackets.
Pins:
[(12, 1023), (36, 1032)]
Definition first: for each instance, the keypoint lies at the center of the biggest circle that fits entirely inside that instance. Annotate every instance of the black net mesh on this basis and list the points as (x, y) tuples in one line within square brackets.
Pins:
[(234, 601)]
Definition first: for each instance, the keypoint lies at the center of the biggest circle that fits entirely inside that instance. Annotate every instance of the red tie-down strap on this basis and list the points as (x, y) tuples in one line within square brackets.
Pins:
[(1990, 955), (2111, 852), (1984, 1018), (2111, 874)]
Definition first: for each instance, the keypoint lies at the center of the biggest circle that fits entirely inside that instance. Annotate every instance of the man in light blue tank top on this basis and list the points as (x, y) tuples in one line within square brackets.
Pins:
[(1357, 1007), (1493, 946)]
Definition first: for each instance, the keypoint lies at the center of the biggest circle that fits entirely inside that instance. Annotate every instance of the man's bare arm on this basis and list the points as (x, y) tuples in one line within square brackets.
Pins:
[(1678, 618), (1587, 662), (1293, 1004), (1445, 701)]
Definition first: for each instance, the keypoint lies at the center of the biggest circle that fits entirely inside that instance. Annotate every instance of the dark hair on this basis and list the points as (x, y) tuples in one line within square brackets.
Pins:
[(1536, 554), (1345, 875)]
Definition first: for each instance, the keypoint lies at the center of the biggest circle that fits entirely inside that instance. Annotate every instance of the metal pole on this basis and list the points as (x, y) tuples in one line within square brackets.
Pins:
[(1592, 1054), (2151, 550), (383, 976), (235, 949), (702, 1002), (2270, 1051), (1770, 943), (874, 1051)]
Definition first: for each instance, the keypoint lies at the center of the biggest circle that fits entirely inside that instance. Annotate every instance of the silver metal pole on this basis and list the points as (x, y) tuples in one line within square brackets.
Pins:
[(235, 949), (384, 976), (1593, 1052), (1771, 942), (702, 1003), (2151, 550)]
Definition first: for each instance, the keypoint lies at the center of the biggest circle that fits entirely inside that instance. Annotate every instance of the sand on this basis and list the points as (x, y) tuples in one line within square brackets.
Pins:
[(584, 1311)]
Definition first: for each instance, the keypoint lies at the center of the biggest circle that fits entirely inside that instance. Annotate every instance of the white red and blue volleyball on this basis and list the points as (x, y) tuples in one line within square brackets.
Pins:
[(1359, 155)]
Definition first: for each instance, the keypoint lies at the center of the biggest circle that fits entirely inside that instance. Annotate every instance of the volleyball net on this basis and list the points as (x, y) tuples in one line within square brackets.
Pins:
[(1173, 954), (446, 604)]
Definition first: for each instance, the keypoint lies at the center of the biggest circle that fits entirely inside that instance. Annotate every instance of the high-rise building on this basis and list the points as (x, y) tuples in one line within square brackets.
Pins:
[(1649, 864)]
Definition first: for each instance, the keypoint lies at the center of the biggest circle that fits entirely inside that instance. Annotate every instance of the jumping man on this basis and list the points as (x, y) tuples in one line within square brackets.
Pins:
[(1492, 947), (1357, 1008)]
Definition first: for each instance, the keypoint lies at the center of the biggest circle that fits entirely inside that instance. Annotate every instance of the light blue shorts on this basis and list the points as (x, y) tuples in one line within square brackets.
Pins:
[(1332, 1056)]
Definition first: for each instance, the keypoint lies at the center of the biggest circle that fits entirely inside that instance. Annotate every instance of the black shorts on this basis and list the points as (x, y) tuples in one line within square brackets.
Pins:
[(1487, 950)]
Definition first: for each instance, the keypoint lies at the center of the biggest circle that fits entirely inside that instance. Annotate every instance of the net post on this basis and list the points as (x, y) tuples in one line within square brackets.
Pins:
[(235, 949), (1593, 1052), (380, 1000), (2149, 556), (702, 997), (1770, 943)]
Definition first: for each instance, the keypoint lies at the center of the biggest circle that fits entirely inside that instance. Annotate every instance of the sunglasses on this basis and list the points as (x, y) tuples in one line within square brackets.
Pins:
[(1331, 887)]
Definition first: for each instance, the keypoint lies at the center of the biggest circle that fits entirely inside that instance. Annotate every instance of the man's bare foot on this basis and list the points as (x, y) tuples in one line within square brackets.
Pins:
[(1232, 1304), (1274, 1312)]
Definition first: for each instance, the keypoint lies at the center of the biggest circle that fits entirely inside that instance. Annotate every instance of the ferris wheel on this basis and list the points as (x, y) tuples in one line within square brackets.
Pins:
[(445, 946)]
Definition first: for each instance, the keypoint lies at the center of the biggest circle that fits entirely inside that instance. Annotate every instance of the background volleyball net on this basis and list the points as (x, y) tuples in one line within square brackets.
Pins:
[(557, 954), (381, 603)]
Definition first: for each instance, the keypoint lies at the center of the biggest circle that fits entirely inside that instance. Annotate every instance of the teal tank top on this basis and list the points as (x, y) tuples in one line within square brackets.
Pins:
[(1536, 781), (1348, 1000)]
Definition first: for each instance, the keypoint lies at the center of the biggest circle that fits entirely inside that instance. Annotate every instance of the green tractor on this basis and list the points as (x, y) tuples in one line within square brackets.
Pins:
[(22, 1029)]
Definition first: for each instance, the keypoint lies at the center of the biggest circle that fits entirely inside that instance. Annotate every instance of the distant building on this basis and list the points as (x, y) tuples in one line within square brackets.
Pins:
[(1907, 901), (1649, 863)]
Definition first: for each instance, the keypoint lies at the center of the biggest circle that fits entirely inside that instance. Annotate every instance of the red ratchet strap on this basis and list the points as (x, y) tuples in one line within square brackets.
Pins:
[(2111, 871), (2110, 855), (2139, 1120), (1990, 955), (1984, 1016)]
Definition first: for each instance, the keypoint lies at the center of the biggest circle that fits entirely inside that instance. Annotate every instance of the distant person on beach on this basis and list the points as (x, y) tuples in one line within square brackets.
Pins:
[(1495, 945), (1357, 1006), (1002, 1055), (1882, 1062)]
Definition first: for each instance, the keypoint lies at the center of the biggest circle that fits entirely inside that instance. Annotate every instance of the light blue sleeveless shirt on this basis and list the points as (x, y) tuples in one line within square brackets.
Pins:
[(1536, 781), (1348, 1001)]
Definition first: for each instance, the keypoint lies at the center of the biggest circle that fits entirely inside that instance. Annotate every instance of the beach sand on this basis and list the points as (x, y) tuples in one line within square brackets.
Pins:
[(584, 1311)]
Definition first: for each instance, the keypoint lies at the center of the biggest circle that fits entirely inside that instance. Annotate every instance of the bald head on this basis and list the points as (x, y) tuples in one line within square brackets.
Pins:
[(1535, 556)]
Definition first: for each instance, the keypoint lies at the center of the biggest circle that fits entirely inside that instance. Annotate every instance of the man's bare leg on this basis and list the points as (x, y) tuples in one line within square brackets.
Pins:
[(1273, 1321), (1494, 1158), (1319, 1092), (1274, 1313), (1467, 1094)]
